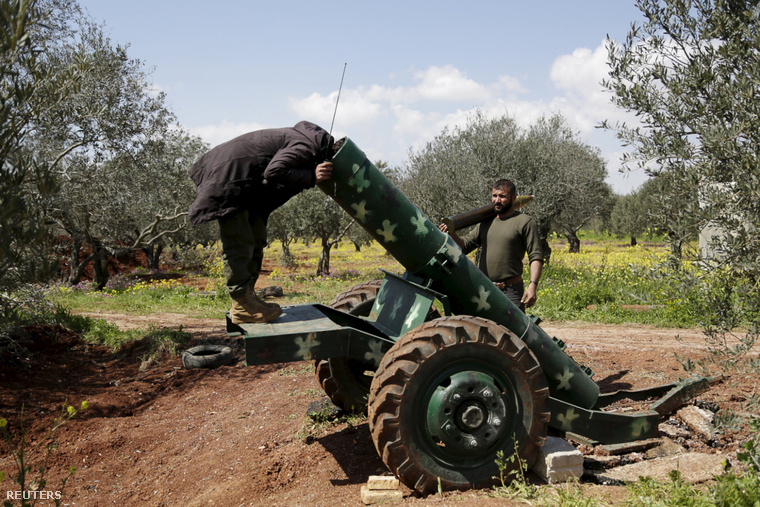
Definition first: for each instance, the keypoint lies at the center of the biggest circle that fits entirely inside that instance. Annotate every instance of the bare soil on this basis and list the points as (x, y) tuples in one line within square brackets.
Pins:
[(238, 435)]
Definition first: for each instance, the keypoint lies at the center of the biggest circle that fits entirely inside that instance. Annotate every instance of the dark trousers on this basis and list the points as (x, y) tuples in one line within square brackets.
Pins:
[(515, 293), (244, 236)]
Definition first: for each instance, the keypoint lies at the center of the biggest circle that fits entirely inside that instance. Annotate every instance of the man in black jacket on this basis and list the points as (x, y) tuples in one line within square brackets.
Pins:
[(239, 184)]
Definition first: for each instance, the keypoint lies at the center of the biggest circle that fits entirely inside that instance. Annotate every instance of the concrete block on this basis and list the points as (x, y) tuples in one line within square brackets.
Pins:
[(558, 461), (700, 421), (376, 482), (372, 497)]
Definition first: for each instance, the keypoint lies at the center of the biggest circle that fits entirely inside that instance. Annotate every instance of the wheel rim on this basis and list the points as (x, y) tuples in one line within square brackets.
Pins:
[(470, 411)]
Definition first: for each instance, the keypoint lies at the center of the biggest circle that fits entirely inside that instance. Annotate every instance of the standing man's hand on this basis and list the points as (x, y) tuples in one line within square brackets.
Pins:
[(529, 296), (453, 234), (324, 171)]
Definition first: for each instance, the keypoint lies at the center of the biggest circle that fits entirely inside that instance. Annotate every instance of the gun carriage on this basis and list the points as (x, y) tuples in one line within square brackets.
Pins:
[(444, 392)]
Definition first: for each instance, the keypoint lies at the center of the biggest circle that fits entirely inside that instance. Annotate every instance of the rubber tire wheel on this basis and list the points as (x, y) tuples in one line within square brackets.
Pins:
[(425, 359), (345, 380), (207, 356)]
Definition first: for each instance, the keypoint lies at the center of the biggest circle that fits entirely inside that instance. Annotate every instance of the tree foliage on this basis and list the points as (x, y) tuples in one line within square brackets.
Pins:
[(87, 146), (25, 178), (455, 172), (116, 149), (310, 216), (114, 146), (628, 218), (568, 177), (691, 75)]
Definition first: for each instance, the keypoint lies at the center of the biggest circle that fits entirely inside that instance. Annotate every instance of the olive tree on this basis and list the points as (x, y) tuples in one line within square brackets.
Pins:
[(628, 218), (311, 216), (566, 176), (286, 225), (592, 200), (27, 88), (691, 75), (455, 172), (120, 159)]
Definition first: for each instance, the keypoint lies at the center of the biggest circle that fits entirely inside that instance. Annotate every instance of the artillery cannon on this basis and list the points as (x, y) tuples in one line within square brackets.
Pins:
[(444, 393)]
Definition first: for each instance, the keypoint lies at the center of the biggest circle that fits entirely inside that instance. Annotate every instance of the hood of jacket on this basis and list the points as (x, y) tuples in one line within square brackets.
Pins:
[(316, 135)]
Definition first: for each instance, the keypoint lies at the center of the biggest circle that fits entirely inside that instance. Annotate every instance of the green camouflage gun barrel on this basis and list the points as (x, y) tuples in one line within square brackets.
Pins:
[(414, 241)]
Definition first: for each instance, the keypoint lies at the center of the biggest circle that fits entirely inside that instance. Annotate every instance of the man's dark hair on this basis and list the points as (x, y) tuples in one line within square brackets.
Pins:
[(505, 185)]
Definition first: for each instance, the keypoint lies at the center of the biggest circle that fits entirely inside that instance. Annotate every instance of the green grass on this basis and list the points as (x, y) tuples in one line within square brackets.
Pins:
[(142, 298), (607, 274), (159, 343)]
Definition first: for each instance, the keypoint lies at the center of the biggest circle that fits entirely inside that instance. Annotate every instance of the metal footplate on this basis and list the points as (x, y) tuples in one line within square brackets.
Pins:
[(310, 332)]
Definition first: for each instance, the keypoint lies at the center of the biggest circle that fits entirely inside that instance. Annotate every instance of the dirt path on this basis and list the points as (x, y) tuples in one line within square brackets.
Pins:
[(238, 435)]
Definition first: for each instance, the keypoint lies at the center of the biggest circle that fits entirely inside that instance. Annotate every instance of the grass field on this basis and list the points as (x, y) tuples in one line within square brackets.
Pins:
[(600, 284)]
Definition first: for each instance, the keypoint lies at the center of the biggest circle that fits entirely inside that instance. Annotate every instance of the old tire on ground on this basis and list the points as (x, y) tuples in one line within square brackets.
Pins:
[(448, 396), (207, 356), (347, 381)]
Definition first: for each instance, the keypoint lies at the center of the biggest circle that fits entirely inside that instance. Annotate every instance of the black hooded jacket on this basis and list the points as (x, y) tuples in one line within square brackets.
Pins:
[(257, 171)]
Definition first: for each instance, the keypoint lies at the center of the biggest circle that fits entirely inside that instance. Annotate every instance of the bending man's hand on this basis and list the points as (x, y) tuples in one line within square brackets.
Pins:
[(324, 171)]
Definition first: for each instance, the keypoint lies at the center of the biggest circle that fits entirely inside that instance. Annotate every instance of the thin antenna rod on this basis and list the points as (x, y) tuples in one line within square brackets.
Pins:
[(338, 99)]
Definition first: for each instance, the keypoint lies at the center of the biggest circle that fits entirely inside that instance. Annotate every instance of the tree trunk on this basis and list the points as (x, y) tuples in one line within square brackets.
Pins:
[(323, 268), (633, 240), (543, 232), (100, 267), (76, 267), (357, 246), (286, 259), (153, 255), (573, 243), (676, 250)]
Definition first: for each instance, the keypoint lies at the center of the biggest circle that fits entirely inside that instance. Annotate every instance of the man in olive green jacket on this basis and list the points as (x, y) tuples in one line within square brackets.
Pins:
[(504, 240)]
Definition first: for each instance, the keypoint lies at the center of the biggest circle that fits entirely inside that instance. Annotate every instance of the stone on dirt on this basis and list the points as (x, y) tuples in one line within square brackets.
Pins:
[(558, 461), (380, 482), (273, 291), (673, 431), (601, 462), (699, 420), (694, 468), (666, 449), (323, 410), (381, 489)]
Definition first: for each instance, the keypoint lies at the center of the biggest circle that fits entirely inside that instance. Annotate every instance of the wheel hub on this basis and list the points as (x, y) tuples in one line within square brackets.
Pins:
[(467, 414), (471, 417)]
